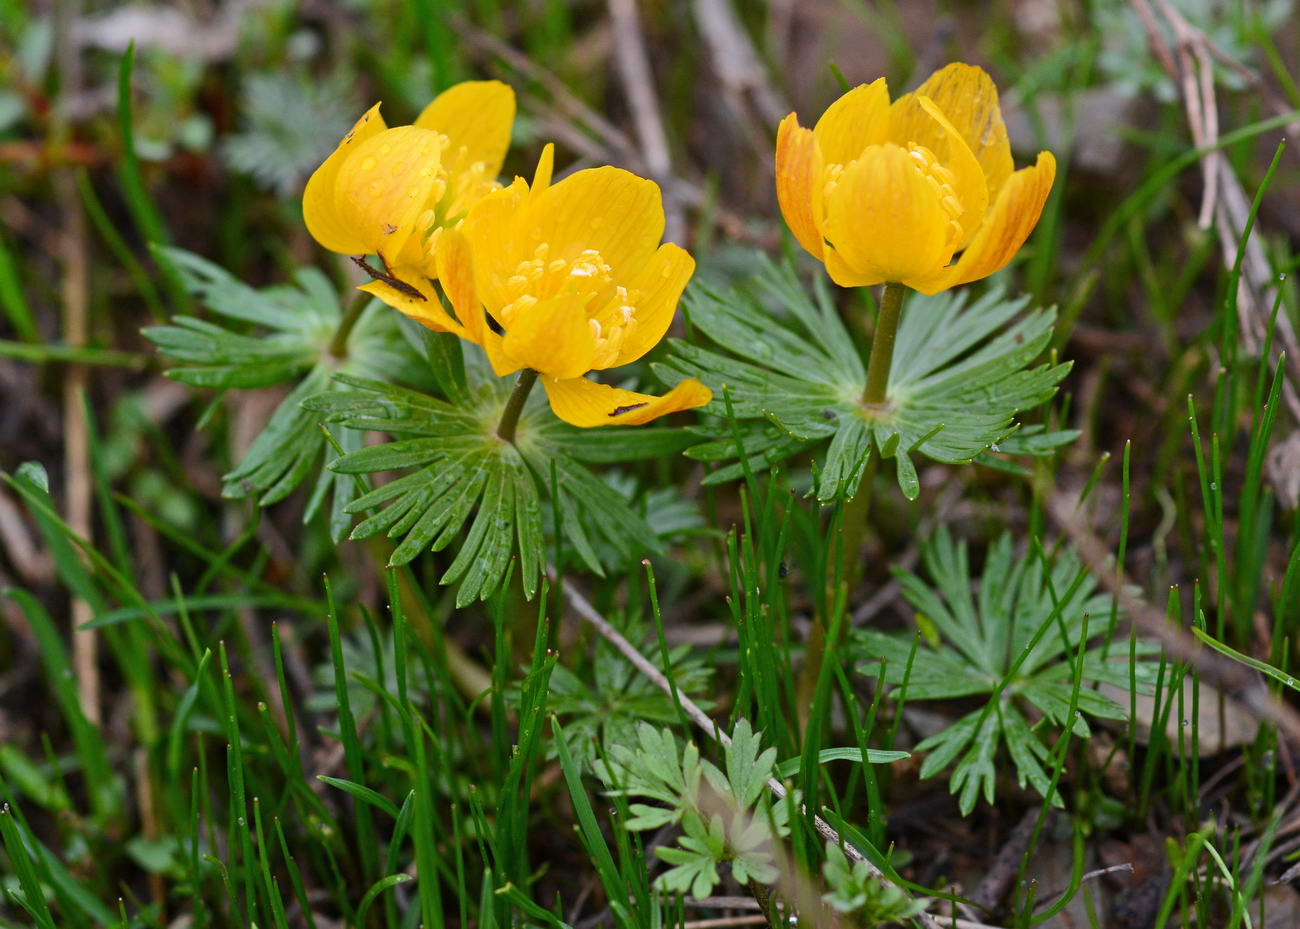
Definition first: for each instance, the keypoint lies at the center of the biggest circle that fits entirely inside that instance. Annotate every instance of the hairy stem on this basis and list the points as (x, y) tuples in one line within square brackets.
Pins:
[(339, 344), (882, 345), (515, 405)]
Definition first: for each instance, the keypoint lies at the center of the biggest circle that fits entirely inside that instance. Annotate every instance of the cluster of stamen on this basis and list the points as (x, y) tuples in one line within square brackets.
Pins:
[(943, 181), (610, 307)]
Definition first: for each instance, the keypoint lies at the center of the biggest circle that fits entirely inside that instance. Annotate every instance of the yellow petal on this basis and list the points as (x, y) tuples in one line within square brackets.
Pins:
[(552, 337), (607, 209), (477, 117), (416, 299), (969, 98), (799, 170), (855, 121), (494, 237), (386, 185), (1009, 223), (456, 275), (885, 218), (319, 206), (846, 276), (585, 403), (658, 287), (917, 119), (545, 168), (502, 364)]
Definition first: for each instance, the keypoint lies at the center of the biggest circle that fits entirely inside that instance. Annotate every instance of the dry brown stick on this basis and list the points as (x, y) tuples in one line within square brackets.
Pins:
[(756, 920), (74, 292), (735, 60), (1224, 673), (995, 883), (564, 99), (588, 613), (638, 82)]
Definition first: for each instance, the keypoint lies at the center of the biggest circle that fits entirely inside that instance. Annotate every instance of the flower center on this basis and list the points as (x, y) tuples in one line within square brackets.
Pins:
[(942, 180), (610, 307)]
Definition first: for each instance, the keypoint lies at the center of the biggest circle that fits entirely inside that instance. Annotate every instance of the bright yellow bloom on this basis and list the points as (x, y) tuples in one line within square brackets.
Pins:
[(390, 191), (574, 279), (885, 192)]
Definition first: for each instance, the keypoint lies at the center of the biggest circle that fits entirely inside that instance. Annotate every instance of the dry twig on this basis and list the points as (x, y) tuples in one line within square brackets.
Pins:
[(588, 613)]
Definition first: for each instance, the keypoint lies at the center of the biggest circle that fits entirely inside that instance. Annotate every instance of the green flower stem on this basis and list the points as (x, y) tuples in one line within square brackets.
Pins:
[(882, 345), (339, 344), (515, 405)]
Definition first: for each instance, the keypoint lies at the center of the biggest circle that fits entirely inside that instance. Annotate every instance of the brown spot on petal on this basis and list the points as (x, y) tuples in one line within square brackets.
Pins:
[(620, 410)]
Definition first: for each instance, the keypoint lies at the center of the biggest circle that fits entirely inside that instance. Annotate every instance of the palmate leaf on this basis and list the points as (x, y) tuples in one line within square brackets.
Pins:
[(790, 372), (278, 335), (458, 473), (1016, 640), (725, 816)]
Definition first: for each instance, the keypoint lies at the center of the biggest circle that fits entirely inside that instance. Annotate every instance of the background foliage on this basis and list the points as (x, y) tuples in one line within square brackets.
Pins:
[(234, 689)]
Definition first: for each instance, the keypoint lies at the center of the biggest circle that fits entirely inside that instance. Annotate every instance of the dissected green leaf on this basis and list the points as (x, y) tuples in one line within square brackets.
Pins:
[(1013, 637), (959, 377), (725, 817), (275, 335)]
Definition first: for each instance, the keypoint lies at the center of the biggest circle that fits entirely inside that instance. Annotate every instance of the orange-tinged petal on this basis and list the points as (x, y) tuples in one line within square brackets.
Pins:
[(502, 364), (477, 117), (659, 287), (387, 184), (969, 98), (552, 337), (418, 302), (845, 276), (319, 205), (585, 403), (916, 119), (455, 264), (1009, 223), (885, 217), (607, 209), (799, 170), (858, 119), (493, 232)]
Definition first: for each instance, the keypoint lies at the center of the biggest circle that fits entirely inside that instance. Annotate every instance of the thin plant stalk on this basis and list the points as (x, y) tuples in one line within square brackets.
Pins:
[(339, 344), (515, 405)]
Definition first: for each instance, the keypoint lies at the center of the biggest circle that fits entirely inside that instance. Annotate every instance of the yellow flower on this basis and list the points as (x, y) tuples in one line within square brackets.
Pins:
[(889, 193), (389, 191), (574, 280)]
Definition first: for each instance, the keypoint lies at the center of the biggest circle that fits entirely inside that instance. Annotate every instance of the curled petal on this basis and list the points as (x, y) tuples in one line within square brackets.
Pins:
[(545, 168), (415, 298), (969, 98), (886, 218), (476, 116), (319, 206), (846, 276), (585, 403), (799, 170), (552, 337), (496, 238), (659, 286), (385, 187), (456, 275), (854, 122), (917, 119), (1009, 223)]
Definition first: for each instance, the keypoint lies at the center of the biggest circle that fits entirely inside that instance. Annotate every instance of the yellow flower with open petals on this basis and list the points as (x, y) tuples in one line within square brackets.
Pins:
[(389, 191), (889, 193), (574, 279)]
